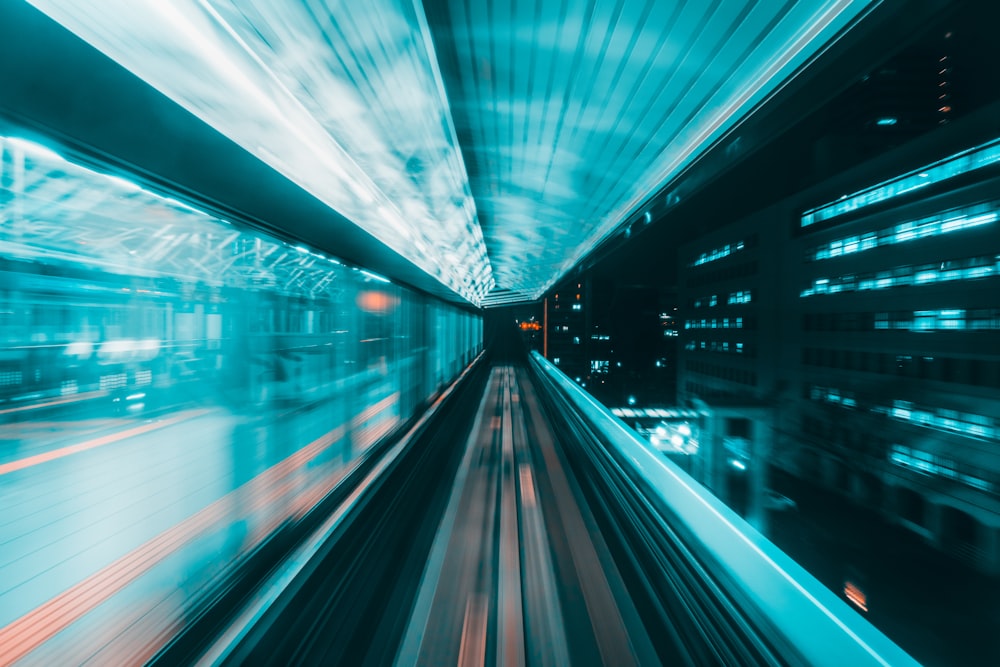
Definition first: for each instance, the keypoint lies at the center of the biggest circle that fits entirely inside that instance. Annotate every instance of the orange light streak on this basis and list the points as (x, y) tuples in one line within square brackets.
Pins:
[(62, 452), (59, 401), (27, 633)]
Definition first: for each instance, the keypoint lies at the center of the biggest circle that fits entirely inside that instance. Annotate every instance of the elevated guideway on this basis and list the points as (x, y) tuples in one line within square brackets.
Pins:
[(523, 524)]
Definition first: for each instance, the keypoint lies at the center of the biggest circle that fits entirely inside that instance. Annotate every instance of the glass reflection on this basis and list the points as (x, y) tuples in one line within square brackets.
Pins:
[(174, 391)]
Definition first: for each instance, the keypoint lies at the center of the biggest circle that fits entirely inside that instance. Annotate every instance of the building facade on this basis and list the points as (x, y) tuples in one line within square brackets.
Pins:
[(567, 323), (865, 312)]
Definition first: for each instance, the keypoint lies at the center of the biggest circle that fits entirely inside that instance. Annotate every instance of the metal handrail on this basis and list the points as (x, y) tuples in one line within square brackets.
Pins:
[(820, 627)]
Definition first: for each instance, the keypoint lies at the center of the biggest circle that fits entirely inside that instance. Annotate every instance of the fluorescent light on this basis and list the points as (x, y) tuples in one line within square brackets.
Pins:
[(373, 276), (33, 149)]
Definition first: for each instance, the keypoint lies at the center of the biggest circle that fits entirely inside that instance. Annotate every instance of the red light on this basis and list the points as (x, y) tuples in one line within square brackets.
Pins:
[(372, 301), (856, 596)]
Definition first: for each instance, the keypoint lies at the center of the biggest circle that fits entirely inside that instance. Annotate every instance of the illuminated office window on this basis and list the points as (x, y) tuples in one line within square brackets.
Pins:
[(939, 320), (941, 419), (718, 253), (715, 323), (715, 346), (970, 268), (960, 163), (941, 223), (713, 300), (833, 395), (739, 297), (929, 464)]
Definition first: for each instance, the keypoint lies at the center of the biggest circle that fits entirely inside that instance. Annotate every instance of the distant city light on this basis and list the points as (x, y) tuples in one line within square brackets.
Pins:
[(935, 225), (631, 399), (717, 254), (736, 463), (889, 120), (856, 596)]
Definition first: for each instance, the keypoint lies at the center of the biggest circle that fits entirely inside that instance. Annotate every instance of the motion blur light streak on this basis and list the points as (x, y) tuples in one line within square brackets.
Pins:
[(169, 239), (120, 301), (372, 301), (718, 530), (574, 114), (344, 99), (48, 404), (38, 459), (32, 630), (964, 162), (577, 112), (856, 596)]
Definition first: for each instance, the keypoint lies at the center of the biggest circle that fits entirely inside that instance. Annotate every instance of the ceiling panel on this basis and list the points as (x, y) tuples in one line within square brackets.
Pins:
[(572, 113), (343, 98)]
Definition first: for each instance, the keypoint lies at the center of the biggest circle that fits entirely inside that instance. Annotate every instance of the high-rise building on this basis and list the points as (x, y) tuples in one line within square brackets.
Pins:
[(568, 324), (859, 321)]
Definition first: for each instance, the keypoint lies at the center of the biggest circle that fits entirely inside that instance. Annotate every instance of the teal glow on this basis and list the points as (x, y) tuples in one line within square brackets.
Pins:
[(960, 163), (347, 102), (930, 464), (833, 395), (718, 253), (714, 346), (971, 268), (739, 297), (954, 220), (573, 112), (715, 323), (941, 419), (954, 319)]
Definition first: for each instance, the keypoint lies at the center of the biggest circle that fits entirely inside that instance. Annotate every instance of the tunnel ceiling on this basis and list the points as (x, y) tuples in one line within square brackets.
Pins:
[(492, 144)]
